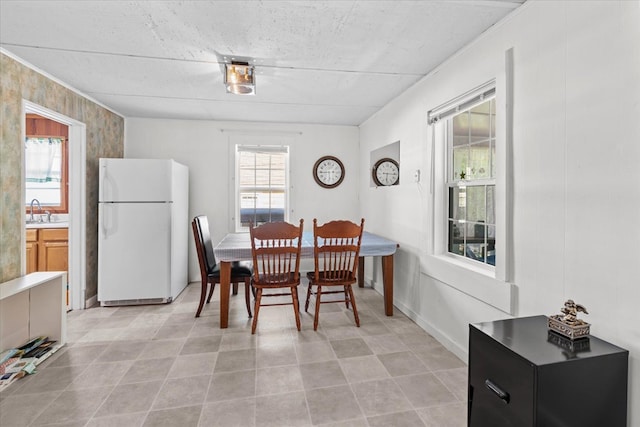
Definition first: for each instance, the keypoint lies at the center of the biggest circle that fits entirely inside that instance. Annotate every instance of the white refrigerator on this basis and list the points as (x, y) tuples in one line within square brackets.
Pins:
[(143, 229)]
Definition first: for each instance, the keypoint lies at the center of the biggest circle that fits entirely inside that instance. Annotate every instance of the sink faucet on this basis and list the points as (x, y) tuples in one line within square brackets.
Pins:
[(39, 208)]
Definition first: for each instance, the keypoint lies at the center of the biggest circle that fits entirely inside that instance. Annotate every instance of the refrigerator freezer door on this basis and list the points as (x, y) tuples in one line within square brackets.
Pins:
[(134, 250), (135, 180)]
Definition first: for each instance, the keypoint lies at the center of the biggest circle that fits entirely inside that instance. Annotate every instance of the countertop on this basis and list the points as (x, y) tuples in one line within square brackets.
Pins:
[(60, 224)]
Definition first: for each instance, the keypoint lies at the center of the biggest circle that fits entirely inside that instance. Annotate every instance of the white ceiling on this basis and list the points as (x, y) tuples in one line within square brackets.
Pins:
[(326, 62)]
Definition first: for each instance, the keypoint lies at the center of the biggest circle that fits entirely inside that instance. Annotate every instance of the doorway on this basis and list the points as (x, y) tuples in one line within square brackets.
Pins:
[(76, 200)]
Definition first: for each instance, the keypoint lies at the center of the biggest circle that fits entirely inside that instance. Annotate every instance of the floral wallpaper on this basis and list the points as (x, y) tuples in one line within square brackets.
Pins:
[(105, 138)]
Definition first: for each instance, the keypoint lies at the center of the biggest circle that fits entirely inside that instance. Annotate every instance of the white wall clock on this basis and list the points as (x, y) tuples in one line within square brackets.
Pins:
[(386, 172), (328, 171)]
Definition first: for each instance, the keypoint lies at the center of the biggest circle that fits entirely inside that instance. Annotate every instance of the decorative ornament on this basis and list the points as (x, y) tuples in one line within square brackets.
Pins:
[(567, 323)]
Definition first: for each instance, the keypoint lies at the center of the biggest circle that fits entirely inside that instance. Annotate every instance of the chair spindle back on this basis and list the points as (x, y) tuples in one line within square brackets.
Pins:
[(275, 247), (336, 250)]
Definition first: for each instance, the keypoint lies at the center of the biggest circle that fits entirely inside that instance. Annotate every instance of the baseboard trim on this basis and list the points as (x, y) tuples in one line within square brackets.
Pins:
[(91, 302), (441, 337)]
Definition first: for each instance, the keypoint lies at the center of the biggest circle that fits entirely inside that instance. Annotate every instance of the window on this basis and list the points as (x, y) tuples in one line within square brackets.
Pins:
[(262, 182), (471, 146), (464, 141), (470, 142), (46, 164)]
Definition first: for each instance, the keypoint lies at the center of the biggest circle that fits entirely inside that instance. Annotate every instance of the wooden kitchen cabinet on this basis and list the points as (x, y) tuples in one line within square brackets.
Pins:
[(53, 249), (32, 250), (47, 249), (522, 375)]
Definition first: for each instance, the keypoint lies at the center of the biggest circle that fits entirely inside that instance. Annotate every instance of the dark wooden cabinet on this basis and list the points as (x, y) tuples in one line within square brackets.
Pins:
[(521, 374)]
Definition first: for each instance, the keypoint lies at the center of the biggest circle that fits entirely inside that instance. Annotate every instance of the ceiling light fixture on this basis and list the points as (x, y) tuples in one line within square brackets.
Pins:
[(240, 78)]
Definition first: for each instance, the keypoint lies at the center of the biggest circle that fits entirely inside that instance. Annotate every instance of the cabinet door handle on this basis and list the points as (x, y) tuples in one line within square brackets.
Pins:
[(503, 395)]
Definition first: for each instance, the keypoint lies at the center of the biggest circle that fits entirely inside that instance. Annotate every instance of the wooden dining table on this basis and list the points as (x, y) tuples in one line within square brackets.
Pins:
[(237, 247)]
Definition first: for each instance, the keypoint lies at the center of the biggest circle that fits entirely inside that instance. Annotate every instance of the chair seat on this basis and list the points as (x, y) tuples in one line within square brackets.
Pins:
[(238, 269), (345, 279), (276, 280)]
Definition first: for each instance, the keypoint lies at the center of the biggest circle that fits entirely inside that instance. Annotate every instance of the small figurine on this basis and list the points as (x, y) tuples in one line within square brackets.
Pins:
[(567, 323), (570, 311)]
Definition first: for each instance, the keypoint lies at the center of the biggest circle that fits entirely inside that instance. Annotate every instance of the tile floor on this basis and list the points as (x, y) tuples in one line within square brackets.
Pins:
[(160, 366)]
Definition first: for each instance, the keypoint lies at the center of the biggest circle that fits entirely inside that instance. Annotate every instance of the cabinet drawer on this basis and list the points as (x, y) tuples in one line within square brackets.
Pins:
[(54, 234), (32, 234), (501, 385)]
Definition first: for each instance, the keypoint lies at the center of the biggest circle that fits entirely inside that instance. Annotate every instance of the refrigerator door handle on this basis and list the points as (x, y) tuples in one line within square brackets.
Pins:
[(107, 218), (107, 187)]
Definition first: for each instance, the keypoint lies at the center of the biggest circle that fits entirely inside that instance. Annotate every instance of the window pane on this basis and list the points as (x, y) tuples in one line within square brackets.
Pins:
[(476, 207), (460, 129), (491, 244), (491, 205), (278, 177), (457, 202), (473, 143), (456, 237), (471, 230), (480, 122), (480, 160), (460, 163), (475, 231), (246, 177)]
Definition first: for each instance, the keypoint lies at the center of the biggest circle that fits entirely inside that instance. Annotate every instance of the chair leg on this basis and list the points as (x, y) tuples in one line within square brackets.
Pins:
[(317, 315), (256, 310), (203, 294), (235, 288), (213, 286), (346, 297), (353, 304), (296, 305), (247, 299), (306, 304)]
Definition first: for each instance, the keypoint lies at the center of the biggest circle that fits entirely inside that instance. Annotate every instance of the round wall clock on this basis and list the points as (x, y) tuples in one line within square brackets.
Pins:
[(386, 172), (328, 171)]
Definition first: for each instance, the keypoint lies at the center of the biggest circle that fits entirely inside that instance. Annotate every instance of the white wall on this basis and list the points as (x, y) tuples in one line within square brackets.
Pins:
[(576, 199), (576, 148), (204, 147)]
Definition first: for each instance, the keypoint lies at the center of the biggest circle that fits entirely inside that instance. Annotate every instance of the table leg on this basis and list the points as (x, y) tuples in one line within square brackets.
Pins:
[(361, 272), (387, 280), (225, 279)]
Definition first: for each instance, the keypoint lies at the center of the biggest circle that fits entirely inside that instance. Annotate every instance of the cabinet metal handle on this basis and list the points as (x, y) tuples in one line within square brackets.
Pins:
[(503, 395)]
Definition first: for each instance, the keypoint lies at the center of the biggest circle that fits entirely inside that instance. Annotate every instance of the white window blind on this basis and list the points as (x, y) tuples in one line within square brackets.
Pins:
[(462, 102), (261, 173)]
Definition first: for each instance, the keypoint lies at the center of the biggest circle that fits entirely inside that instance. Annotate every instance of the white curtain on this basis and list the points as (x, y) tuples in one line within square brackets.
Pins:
[(43, 159)]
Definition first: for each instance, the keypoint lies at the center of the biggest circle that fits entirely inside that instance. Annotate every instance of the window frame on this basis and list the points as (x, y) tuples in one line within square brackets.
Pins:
[(452, 181), (252, 146), (33, 132), (489, 284)]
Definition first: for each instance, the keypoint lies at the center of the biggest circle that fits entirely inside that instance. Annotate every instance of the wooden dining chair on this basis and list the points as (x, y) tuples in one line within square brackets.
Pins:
[(275, 249), (209, 268), (336, 250)]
